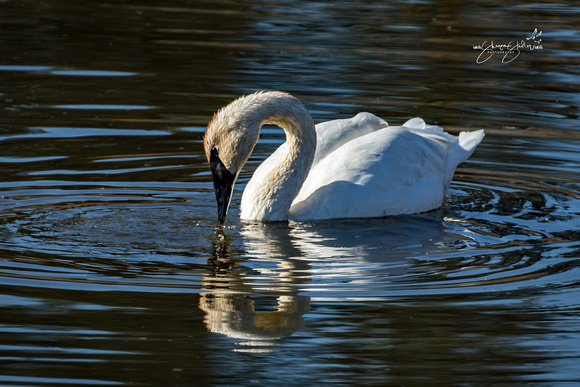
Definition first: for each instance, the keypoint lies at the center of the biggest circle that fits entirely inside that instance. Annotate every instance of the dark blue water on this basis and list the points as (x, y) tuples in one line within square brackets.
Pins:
[(112, 271)]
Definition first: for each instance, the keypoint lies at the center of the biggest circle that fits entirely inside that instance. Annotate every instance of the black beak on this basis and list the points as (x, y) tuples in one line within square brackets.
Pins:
[(223, 183)]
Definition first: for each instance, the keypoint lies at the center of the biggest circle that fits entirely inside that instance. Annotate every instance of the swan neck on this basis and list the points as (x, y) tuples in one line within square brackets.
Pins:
[(270, 193), (288, 113)]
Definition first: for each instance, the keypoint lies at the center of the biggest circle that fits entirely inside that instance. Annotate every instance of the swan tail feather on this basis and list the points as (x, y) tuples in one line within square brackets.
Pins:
[(463, 148)]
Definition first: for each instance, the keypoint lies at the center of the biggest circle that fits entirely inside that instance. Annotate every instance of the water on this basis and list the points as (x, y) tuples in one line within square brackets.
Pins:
[(112, 271)]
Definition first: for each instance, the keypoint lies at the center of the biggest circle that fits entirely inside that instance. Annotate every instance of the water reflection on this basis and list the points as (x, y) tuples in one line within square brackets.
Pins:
[(258, 294), (240, 306), (405, 319)]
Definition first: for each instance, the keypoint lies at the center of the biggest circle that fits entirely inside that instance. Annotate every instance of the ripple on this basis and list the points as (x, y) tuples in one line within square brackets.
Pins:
[(468, 247), (66, 72), (73, 132), (18, 159), (25, 68), (102, 107), (93, 73), (56, 381)]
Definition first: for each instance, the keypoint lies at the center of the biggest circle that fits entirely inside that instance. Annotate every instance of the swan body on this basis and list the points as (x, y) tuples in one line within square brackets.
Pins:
[(351, 168)]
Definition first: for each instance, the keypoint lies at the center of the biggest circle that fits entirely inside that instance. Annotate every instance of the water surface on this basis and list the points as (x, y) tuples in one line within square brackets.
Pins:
[(112, 271)]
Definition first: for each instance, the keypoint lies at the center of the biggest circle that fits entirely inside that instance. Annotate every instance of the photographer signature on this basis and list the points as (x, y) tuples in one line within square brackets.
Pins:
[(510, 51)]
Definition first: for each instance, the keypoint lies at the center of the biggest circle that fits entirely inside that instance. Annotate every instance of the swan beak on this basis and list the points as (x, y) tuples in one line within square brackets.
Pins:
[(223, 183)]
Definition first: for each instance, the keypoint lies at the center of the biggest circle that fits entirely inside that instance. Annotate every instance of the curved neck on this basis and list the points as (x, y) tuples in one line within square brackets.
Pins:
[(271, 191)]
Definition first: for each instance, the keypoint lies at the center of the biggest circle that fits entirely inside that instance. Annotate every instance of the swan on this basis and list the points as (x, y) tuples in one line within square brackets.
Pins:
[(349, 168)]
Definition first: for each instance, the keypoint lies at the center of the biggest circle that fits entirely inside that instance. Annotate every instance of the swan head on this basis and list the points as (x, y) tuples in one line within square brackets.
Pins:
[(228, 142)]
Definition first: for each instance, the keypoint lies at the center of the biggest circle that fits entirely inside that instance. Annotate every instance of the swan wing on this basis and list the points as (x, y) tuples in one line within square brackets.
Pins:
[(333, 134), (391, 171)]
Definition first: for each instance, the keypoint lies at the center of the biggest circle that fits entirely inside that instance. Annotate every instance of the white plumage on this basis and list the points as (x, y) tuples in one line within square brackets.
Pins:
[(351, 168)]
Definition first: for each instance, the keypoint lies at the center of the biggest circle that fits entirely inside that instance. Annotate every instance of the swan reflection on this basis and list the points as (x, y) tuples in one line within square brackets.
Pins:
[(256, 292), (241, 303)]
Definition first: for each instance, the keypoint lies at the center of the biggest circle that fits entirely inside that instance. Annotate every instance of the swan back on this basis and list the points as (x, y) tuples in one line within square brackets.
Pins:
[(390, 171)]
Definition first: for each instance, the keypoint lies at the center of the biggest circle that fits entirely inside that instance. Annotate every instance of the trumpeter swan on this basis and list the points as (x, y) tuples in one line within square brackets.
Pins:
[(351, 168)]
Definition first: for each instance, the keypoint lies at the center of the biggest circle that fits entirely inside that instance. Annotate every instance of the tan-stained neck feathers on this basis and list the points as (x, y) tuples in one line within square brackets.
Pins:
[(234, 131)]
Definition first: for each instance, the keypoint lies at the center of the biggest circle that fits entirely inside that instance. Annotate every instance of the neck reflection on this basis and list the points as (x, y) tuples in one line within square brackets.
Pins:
[(256, 300)]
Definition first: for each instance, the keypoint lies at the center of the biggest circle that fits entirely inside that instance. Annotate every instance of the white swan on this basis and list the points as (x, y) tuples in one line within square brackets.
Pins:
[(351, 168)]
